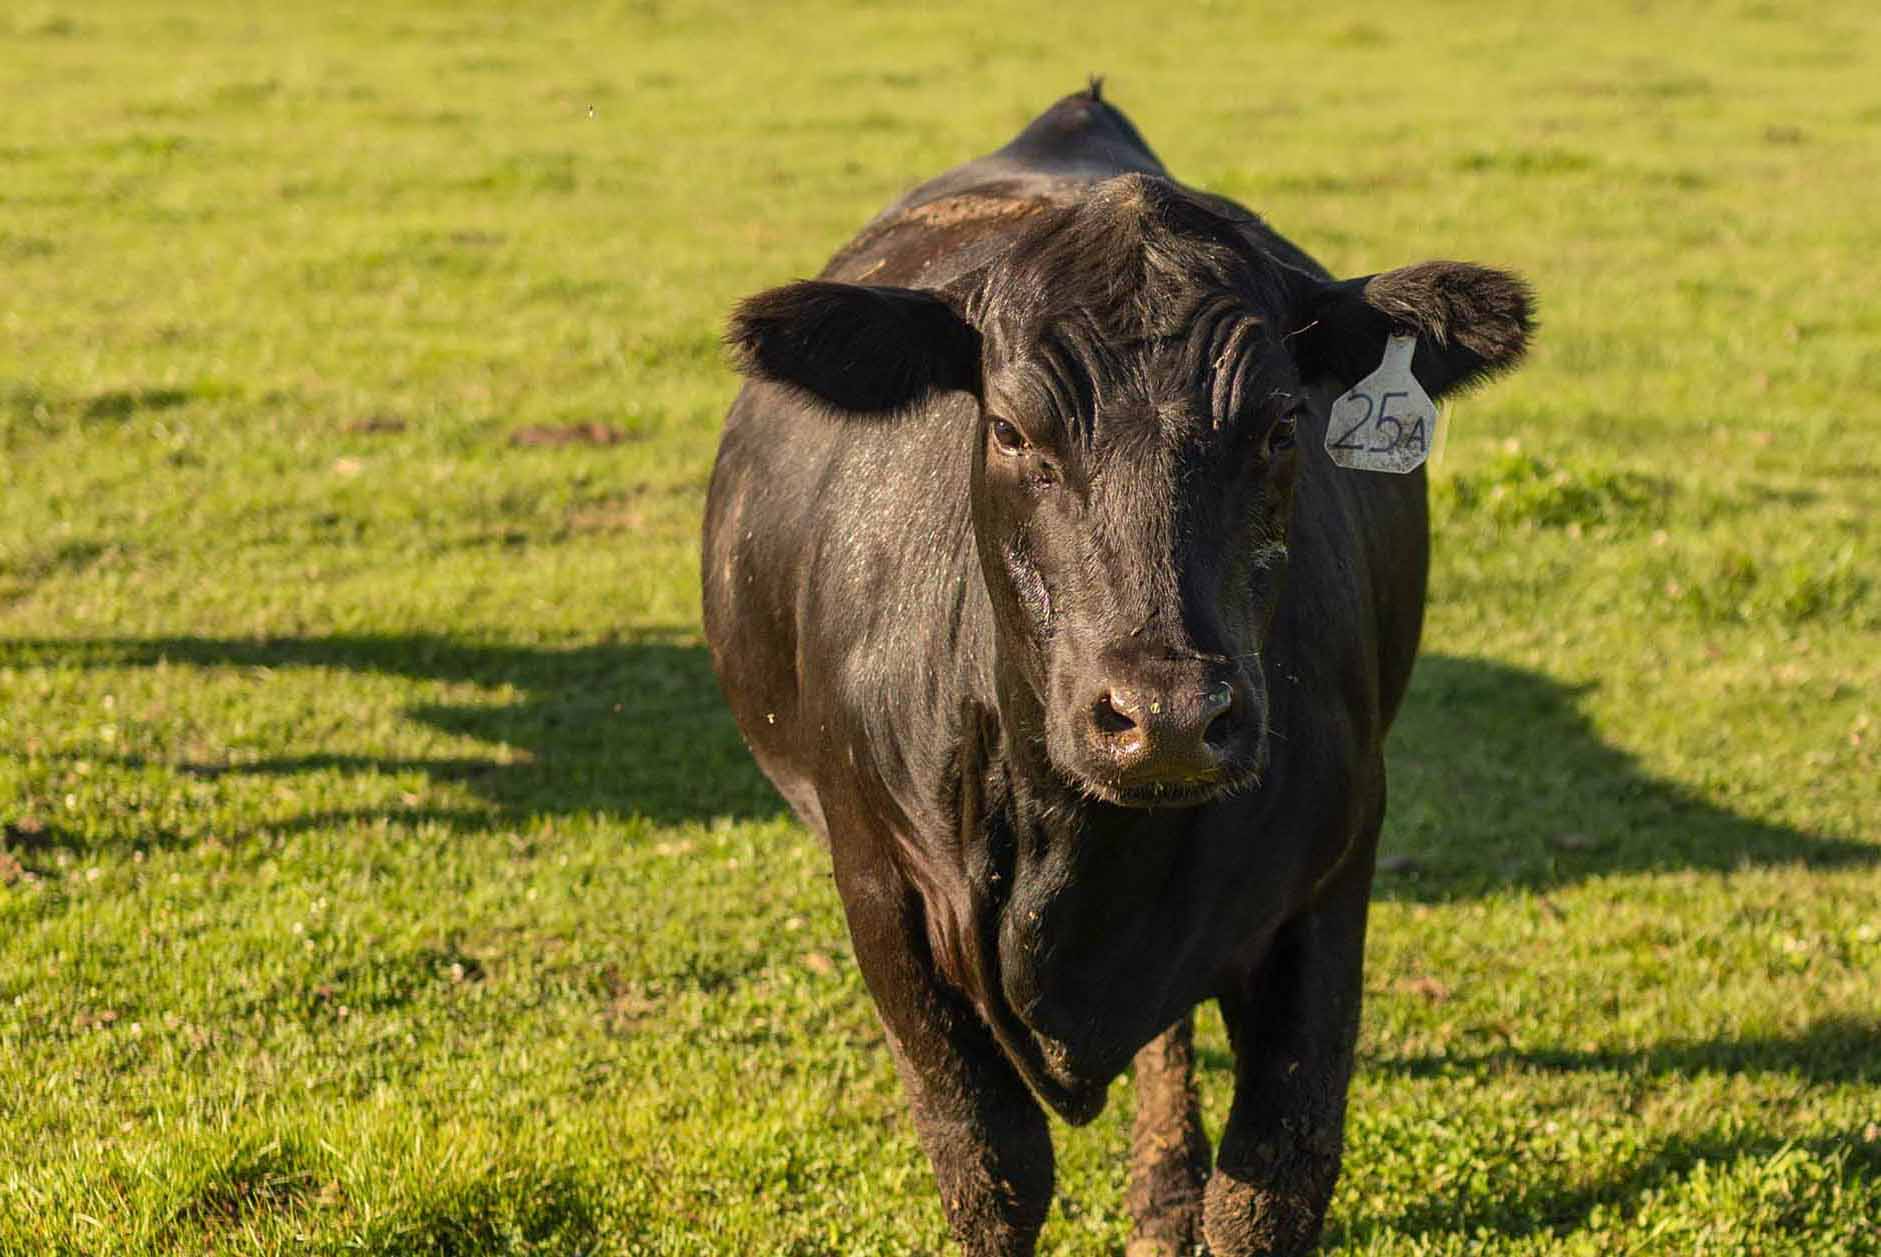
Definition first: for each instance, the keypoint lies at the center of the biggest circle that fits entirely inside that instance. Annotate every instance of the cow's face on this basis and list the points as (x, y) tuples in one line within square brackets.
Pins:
[(1143, 374), (1134, 545), (1133, 484)]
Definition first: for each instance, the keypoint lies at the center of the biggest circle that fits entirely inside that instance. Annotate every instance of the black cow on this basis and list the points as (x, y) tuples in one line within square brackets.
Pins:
[(1035, 592)]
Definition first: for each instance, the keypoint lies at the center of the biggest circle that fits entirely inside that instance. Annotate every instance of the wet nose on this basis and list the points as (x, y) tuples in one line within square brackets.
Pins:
[(1165, 734)]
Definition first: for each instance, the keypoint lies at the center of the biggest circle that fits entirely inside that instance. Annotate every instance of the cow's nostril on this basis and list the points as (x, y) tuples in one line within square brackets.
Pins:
[(1219, 716), (1111, 717), (1217, 699)]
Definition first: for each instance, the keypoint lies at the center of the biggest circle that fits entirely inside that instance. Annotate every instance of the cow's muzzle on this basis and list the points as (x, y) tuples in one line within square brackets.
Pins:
[(1170, 732)]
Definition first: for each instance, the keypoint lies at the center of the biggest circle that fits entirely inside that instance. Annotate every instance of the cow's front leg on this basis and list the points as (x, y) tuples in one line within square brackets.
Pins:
[(984, 1133), (1292, 1023), (1168, 1149), (986, 1137)]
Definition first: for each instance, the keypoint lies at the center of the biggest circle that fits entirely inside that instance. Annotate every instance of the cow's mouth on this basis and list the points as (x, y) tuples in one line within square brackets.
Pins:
[(1158, 794), (1230, 777)]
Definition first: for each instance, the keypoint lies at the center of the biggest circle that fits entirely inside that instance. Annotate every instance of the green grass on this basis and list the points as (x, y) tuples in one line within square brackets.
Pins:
[(381, 871)]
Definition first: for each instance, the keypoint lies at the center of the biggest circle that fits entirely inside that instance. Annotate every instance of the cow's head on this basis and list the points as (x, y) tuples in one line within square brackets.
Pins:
[(1144, 374)]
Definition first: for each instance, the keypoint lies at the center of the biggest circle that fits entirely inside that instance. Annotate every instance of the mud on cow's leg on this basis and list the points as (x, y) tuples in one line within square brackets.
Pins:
[(991, 1150), (1168, 1149), (984, 1133), (1293, 1024)]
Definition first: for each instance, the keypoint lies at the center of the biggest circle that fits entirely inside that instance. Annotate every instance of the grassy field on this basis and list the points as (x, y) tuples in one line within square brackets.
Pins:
[(381, 871)]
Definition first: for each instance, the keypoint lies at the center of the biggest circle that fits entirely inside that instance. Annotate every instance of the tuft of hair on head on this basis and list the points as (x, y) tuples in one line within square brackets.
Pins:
[(1095, 91), (1124, 265)]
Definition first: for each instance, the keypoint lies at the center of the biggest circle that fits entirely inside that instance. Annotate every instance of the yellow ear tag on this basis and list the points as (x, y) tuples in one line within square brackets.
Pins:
[(1387, 421)]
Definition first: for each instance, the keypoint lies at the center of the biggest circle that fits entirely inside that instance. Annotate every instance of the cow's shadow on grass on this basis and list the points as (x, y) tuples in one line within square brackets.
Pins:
[(1549, 1196), (1499, 780), (634, 727), (1551, 1200), (1497, 777), (1834, 1049)]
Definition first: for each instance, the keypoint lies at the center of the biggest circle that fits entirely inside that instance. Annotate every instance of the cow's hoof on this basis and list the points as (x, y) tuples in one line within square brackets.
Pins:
[(1242, 1219)]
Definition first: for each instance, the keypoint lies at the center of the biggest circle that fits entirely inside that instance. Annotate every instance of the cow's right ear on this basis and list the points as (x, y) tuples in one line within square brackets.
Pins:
[(1471, 322), (856, 348)]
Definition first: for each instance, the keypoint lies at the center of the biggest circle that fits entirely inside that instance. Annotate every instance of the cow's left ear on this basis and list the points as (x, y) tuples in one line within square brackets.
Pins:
[(860, 349), (1470, 322)]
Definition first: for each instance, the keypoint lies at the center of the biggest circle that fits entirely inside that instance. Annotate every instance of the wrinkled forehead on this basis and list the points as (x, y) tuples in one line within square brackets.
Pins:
[(1210, 370), (1137, 301)]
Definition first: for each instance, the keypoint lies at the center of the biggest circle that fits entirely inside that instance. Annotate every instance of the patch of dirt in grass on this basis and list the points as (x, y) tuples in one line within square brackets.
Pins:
[(1425, 987), (569, 434), (375, 425), (629, 1003), (613, 515)]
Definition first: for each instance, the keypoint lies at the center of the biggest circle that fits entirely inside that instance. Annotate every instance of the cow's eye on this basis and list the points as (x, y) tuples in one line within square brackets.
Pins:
[(1281, 436), (1007, 436)]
